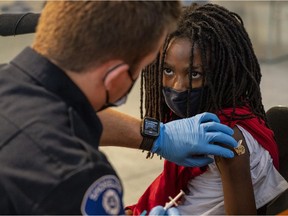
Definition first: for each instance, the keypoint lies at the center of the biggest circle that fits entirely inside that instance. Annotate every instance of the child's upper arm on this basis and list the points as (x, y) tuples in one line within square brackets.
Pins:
[(236, 180)]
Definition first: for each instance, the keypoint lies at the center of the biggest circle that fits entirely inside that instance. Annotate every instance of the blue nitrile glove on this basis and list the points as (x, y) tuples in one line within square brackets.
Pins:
[(159, 210), (183, 141)]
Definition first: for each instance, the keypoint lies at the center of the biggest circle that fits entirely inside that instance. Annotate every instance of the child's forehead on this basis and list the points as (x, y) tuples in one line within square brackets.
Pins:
[(183, 45), (180, 40), (186, 42)]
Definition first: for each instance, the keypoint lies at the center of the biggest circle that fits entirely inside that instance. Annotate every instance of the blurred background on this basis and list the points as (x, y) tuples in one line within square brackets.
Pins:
[(265, 22)]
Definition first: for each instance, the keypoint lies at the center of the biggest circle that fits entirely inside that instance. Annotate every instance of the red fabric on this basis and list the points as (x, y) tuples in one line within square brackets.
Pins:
[(174, 178), (169, 183), (257, 128)]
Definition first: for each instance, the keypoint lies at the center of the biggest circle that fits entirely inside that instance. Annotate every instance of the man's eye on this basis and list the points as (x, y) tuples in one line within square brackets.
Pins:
[(167, 71)]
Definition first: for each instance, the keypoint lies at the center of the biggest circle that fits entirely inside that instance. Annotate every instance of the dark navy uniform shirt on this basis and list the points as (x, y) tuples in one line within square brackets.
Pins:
[(49, 137)]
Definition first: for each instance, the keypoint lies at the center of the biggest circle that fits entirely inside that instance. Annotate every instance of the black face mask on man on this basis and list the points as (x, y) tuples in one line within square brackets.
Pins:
[(123, 99), (178, 101)]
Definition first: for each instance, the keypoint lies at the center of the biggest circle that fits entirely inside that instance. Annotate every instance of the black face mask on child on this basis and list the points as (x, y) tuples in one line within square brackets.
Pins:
[(178, 101)]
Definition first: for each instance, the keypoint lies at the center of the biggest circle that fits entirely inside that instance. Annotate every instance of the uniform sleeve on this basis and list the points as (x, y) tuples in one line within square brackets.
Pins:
[(6, 207), (92, 190)]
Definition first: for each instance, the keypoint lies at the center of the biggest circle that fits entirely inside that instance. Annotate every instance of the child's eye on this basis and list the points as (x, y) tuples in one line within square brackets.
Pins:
[(196, 75), (168, 71)]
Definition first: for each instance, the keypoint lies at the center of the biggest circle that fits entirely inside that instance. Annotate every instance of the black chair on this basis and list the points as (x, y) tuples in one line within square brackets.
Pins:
[(278, 121)]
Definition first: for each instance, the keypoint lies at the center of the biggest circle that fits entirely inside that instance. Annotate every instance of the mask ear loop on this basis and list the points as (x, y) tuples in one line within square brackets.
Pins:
[(110, 70), (107, 96), (113, 68), (18, 22)]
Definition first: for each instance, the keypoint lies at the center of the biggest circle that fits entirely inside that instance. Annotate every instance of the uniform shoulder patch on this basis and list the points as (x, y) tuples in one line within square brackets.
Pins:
[(103, 197)]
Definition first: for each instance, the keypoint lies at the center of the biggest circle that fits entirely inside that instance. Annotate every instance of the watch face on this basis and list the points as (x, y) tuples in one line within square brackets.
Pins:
[(151, 127)]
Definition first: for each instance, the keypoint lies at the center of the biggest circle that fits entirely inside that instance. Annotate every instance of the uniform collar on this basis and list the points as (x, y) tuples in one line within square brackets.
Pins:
[(55, 80)]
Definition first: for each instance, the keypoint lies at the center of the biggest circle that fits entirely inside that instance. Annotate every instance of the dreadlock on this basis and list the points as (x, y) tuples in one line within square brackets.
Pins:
[(231, 70)]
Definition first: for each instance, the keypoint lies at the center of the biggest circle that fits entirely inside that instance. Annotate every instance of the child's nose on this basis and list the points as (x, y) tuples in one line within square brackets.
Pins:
[(180, 84)]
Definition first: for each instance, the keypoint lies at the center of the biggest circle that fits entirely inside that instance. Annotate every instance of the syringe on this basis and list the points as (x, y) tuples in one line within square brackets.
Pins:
[(173, 201)]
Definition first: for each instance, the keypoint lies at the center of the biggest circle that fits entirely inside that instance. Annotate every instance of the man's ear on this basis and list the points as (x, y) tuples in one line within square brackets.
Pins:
[(116, 75)]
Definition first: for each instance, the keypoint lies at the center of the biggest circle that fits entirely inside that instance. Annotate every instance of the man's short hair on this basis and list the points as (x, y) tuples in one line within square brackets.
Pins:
[(81, 34)]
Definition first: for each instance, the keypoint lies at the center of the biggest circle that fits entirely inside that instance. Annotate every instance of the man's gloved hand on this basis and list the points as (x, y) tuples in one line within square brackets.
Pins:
[(187, 142), (159, 210)]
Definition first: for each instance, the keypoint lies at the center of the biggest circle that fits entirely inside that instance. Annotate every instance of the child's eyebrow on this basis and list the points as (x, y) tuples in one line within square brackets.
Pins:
[(195, 67), (165, 64)]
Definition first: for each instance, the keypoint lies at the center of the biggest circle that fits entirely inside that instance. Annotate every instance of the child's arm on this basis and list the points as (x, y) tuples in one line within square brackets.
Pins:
[(236, 180)]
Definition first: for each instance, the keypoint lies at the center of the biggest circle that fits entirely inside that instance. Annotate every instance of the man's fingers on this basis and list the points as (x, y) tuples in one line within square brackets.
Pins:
[(195, 161), (158, 210), (207, 117), (222, 138), (173, 211), (214, 149), (217, 127)]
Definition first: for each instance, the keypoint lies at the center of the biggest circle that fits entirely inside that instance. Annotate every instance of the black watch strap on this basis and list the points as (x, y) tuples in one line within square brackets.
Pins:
[(147, 143), (150, 128)]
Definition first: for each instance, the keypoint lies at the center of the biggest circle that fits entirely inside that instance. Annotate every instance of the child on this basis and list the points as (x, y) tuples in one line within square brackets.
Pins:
[(208, 64)]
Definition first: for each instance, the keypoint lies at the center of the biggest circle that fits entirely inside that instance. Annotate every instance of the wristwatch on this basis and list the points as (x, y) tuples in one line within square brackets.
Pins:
[(150, 129)]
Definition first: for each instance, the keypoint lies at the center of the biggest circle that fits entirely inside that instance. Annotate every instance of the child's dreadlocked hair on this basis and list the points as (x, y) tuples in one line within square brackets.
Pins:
[(231, 70)]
